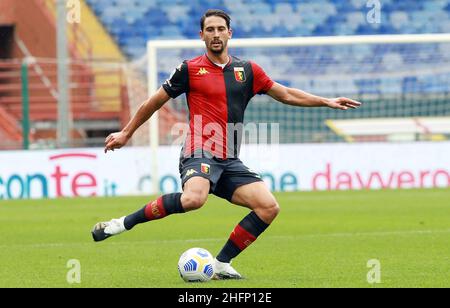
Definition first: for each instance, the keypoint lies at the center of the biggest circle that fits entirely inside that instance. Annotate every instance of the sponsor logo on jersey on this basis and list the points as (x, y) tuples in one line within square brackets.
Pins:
[(202, 71)]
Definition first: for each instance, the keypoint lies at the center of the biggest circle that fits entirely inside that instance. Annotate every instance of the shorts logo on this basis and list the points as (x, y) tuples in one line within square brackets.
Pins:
[(205, 168), (239, 74), (190, 172)]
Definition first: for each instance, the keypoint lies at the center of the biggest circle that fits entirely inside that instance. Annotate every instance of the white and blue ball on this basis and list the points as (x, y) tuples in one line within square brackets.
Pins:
[(196, 265)]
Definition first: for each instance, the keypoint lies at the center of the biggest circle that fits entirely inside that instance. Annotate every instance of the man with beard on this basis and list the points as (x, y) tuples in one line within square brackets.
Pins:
[(218, 88)]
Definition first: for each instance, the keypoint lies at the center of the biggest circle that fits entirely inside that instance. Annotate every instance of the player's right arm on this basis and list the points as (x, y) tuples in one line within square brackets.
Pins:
[(177, 84), (144, 112)]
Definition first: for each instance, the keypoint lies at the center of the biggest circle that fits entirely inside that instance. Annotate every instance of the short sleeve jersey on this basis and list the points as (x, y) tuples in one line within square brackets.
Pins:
[(217, 98)]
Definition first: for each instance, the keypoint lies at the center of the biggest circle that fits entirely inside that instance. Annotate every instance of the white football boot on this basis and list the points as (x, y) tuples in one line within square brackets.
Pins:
[(224, 271), (103, 230)]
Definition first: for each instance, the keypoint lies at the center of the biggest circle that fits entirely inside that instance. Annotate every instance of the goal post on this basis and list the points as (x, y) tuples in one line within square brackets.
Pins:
[(374, 68)]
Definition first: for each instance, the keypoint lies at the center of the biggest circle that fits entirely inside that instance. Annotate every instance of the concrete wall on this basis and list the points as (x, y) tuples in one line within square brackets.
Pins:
[(33, 26), (36, 28)]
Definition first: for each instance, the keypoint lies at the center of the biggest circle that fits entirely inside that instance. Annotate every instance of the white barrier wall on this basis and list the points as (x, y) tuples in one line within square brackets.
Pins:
[(91, 172)]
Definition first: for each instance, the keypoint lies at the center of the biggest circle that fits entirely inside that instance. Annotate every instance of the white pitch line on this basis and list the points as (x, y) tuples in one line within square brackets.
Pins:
[(278, 237)]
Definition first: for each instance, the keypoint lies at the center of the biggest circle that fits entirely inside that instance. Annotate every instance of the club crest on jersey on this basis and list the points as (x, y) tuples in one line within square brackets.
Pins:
[(205, 168), (239, 74)]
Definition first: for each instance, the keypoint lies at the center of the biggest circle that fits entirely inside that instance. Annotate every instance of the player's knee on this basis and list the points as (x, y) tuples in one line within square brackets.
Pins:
[(193, 200), (269, 211), (273, 210)]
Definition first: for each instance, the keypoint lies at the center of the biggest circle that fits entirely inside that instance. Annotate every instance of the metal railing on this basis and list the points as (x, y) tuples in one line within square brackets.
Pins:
[(29, 101)]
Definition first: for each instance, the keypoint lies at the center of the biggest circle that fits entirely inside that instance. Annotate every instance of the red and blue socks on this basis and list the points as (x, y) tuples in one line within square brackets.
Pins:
[(163, 206), (245, 233)]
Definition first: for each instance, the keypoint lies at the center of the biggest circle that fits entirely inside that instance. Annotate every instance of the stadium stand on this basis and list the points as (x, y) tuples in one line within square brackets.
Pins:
[(134, 22), (97, 91), (380, 75)]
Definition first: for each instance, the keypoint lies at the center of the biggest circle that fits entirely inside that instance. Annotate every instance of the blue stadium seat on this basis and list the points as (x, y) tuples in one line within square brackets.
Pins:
[(133, 22)]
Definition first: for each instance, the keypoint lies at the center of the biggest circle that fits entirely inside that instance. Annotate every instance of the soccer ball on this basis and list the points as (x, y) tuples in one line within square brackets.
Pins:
[(196, 265)]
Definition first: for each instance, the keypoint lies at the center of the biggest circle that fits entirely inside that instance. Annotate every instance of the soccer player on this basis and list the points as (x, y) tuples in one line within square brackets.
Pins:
[(218, 88)]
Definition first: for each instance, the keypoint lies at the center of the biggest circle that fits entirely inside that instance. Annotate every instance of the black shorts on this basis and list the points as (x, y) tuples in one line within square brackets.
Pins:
[(224, 175)]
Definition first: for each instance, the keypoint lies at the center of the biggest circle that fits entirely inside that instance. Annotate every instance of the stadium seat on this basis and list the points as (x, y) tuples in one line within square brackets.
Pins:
[(133, 22)]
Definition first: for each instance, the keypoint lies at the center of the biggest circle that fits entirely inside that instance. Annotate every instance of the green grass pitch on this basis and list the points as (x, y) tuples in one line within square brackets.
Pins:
[(320, 239)]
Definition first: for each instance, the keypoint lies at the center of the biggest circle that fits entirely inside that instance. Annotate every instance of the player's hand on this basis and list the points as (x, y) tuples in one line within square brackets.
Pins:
[(343, 103), (115, 141)]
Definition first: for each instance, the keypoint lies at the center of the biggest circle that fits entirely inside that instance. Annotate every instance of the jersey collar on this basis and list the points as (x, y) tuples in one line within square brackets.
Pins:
[(230, 60)]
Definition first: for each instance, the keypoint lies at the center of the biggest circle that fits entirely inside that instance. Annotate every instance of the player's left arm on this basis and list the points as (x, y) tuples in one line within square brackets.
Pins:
[(296, 97)]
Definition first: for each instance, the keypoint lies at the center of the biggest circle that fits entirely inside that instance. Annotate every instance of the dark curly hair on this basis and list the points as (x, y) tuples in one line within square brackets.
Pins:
[(215, 12)]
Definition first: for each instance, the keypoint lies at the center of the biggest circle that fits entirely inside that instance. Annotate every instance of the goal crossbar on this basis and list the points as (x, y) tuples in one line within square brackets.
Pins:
[(309, 41)]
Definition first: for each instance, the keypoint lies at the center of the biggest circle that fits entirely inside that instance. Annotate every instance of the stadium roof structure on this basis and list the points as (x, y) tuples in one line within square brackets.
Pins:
[(392, 129)]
